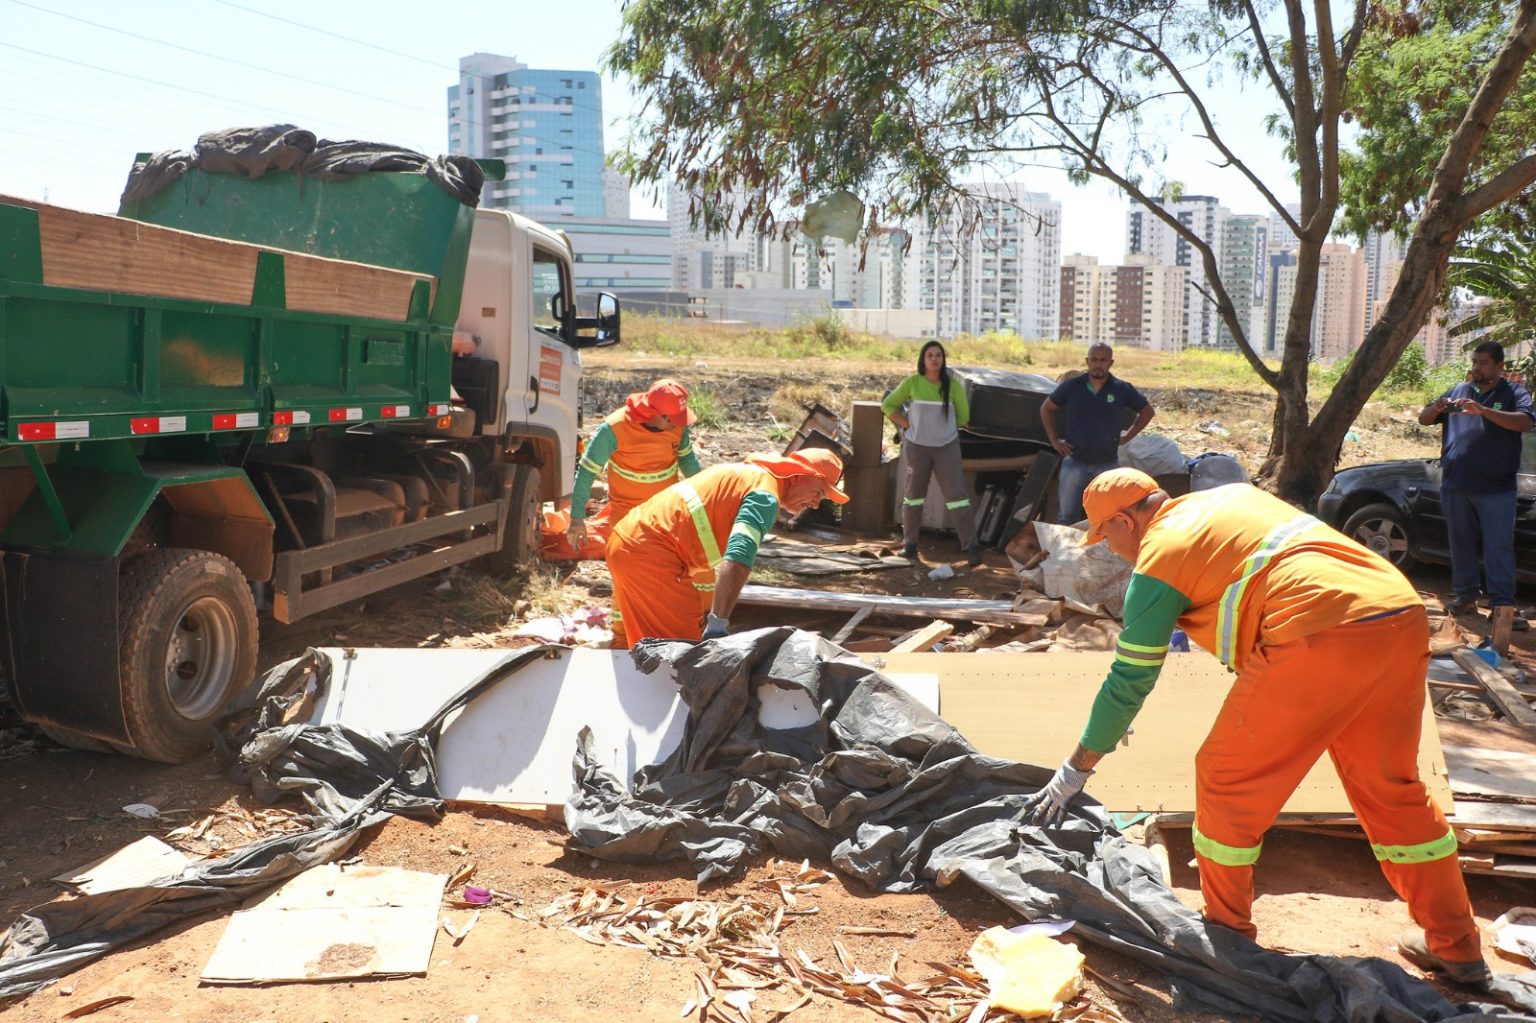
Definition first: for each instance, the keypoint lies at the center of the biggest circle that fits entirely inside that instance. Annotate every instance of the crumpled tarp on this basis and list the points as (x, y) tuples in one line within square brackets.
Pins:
[(251, 152), (348, 779), (893, 795)]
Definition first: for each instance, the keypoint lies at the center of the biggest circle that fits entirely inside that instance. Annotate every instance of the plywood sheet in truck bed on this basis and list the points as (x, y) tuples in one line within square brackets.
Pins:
[(95, 252), (1032, 707)]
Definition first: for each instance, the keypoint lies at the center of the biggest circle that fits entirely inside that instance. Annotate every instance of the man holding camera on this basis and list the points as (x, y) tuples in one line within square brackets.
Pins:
[(1481, 420)]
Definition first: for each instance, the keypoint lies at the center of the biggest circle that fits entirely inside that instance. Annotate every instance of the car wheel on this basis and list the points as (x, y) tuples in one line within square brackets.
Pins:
[(1383, 529)]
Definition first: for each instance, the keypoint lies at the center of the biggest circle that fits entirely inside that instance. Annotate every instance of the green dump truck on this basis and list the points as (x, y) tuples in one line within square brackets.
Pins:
[(273, 387)]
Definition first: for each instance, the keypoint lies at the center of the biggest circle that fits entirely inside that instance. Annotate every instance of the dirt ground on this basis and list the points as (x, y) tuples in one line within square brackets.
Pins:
[(61, 808)]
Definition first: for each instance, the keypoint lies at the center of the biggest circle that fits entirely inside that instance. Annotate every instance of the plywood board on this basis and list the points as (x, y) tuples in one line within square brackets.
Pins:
[(96, 252), (1032, 707), (134, 865), (1492, 773), (331, 922)]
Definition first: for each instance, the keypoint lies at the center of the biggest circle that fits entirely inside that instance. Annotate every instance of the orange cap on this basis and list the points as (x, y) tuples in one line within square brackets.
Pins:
[(1111, 492), (663, 398), (807, 462)]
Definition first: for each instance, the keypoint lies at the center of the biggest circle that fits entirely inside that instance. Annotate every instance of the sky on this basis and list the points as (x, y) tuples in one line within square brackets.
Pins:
[(87, 84)]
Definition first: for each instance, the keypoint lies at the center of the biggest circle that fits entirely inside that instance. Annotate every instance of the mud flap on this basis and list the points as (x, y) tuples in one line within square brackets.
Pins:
[(61, 650)]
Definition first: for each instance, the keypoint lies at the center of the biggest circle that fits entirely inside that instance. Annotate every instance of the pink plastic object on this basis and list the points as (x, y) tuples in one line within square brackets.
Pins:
[(477, 896)]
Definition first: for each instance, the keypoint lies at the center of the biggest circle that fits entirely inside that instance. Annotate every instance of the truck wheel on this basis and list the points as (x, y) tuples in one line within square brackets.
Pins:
[(1381, 528), (520, 486), (187, 645), (78, 740)]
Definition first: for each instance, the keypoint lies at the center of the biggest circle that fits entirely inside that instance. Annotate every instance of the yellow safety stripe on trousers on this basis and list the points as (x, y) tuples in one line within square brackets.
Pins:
[(1232, 597), (1226, 855), (1139, 654), (700, 522), (704, 587), (912, 502), (1424, 852), (644, 477), (589, 465), (964, 502)]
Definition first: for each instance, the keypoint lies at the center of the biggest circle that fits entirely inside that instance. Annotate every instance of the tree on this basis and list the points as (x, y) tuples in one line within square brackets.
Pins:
[(1504, 273), (757, 106)]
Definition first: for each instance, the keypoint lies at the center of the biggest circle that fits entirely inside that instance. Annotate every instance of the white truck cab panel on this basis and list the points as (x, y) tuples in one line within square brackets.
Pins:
[(515, 267)]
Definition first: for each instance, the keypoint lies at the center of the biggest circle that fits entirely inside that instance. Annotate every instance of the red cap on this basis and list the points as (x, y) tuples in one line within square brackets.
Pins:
[(663, 398)]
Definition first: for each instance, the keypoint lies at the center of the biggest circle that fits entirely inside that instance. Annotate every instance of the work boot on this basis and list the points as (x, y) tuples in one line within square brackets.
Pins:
[(909, 551), (1461, 605), (973, 555), (1475, 974)]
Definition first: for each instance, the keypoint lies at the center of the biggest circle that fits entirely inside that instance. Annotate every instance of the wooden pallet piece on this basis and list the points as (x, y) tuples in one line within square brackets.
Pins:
[(1504, 696)]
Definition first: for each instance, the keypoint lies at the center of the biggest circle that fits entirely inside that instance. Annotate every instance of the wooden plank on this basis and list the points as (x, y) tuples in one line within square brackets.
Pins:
[(95, 252), (924, 638), (852, 623), (951, 608), (1493, 774), (1510, 703), (1032, 707), (1499, 866), (1503, 625)]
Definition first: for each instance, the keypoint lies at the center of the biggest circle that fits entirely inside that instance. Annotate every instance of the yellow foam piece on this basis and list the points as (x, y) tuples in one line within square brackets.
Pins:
[(1031, 974)]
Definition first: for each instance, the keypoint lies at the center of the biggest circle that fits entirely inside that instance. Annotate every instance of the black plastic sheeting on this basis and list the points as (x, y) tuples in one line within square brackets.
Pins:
[(892, 795), (252, 152), (348, 780)]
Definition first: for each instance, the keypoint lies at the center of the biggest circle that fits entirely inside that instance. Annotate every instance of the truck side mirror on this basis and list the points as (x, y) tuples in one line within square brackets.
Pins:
[(601, 330)]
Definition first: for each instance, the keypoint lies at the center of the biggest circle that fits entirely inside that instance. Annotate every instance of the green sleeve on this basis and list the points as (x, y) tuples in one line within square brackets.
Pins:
[(686, 459), (758, 511), (598, 450), (898, 397), (957, 398), (1152, 608)]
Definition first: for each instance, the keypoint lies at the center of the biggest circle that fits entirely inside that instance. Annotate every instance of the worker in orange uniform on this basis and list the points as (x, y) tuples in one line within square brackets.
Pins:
[(646, 447), (1330, 645), (713, 522)]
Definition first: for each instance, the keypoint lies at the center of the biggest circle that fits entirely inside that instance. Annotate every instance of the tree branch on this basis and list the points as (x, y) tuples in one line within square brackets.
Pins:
[(1269, 62), (1510, 181)]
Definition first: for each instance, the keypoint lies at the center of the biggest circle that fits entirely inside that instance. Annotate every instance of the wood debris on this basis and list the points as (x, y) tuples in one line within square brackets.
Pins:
[(749, 976)]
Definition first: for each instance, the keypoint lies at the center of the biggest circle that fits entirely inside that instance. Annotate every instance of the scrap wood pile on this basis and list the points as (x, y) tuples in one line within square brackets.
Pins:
[(745, 966)]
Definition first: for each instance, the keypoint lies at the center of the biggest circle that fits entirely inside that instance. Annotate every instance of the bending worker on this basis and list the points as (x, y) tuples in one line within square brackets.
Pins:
[(710, 523), (646, 447), (1330, 644)]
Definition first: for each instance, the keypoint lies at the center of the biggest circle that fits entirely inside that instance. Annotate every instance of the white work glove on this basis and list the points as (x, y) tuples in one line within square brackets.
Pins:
[(715, 626), (1048, 807), (576, 533)]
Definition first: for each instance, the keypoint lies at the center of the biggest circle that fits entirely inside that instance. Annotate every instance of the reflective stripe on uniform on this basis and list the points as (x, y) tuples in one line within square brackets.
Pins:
[(700, 522), (590, 466), (964, 502), (704, 587), (912, 502), (1424, 852), (685, 452), (644, 477), (1137, 654), (1226, 855), (1232, 597), (750, 532)]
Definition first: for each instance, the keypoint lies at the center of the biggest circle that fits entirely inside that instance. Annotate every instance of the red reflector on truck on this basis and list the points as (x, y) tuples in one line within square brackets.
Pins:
[(236, 420), (345, 415), (53, 431), (158, 424)]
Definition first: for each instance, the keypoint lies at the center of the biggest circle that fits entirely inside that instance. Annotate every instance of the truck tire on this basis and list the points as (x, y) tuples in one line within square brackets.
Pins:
[(78, 740), (521, 486), (186, 647)]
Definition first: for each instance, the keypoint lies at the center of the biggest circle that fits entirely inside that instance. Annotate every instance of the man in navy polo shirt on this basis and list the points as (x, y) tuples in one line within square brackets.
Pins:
[(1090, 442), (1481, 423)]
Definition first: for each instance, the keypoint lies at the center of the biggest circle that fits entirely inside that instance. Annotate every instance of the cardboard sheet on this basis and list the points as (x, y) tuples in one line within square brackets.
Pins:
[(137, 863), (331, 922), (1033, 707)]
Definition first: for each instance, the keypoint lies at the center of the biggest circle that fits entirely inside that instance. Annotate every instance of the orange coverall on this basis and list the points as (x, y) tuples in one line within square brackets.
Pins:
[(1330, 644), (663, 554)]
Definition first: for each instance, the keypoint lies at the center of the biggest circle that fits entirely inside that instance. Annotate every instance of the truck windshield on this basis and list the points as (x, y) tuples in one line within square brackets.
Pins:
[(546, 285)]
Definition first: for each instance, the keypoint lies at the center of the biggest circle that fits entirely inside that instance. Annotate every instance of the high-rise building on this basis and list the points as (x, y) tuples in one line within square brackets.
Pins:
[(1139, 304), (1279, 290), (1338, 321), (1243, 270), (1381, 251), (1149, 235), (1439, 347), (548, 127), (1279, 237), (993, 263), (615, 194)]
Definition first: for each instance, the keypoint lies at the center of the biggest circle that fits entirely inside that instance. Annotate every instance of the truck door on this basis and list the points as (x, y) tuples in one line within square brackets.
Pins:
[(554, 367)]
